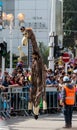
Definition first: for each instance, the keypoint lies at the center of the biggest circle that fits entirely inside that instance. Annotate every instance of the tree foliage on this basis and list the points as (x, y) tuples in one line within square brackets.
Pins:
[(70, 22), (44, 50), (7, 60)]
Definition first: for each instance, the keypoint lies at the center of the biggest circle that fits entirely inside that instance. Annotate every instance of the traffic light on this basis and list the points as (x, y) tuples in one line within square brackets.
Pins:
[(56, 51), (1, 46), (56, 47), (3, 49)]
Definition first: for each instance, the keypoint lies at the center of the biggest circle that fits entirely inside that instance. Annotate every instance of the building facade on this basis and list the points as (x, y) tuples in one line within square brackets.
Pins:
[(37, 16)]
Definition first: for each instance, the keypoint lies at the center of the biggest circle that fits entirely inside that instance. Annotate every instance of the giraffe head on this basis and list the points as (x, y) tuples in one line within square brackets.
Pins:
[(25, 36), (29, 32)]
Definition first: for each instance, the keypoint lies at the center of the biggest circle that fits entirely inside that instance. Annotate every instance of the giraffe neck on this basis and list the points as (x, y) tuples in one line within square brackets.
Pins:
[(33, 40)]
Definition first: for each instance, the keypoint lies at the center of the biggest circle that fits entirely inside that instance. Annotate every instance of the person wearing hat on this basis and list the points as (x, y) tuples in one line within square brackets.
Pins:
[(68, 101)]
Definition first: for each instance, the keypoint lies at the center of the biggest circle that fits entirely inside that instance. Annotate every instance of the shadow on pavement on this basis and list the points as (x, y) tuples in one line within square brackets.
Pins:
[(73, 128)]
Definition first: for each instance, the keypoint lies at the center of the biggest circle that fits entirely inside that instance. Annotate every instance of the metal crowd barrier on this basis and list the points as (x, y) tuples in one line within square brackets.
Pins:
[(75, 106), (17, 98), (52, 99), (14, 100)]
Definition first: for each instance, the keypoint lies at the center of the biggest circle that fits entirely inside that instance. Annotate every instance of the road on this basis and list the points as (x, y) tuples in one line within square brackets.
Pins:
[(3, 124), (45, 122)]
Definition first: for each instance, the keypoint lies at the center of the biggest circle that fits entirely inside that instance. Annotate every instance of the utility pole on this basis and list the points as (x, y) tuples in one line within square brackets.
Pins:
[(52, 34)]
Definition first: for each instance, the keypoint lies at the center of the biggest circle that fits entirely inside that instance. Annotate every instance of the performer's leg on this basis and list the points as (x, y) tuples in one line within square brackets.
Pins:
[(30, 107), (44, 106), (36, 111)]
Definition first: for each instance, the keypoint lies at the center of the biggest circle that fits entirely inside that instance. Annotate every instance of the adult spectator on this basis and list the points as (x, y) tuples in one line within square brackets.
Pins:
[(51, 81), (6, 82), (68, 101)]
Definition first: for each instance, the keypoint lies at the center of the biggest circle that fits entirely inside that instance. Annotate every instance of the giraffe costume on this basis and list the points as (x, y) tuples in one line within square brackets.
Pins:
[(38, 72)]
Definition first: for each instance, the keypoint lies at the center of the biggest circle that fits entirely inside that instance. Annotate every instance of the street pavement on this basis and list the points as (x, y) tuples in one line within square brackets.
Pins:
[(44, 122), (3, 125)]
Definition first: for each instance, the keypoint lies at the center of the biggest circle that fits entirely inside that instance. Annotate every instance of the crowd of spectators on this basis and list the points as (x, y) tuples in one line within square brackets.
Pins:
[(56, 78), (21, 77)]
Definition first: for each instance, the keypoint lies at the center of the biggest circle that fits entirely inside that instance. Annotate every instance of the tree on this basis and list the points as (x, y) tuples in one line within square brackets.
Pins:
[(44, 50), (7, 60), (70, 22)]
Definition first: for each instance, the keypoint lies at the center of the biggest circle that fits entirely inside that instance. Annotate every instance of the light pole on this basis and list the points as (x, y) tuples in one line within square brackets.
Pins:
[(3, 58), (10, 18), (52, 35)]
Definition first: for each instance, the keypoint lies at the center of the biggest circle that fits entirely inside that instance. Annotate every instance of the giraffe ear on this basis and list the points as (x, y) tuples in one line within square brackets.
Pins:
[(19, 47)]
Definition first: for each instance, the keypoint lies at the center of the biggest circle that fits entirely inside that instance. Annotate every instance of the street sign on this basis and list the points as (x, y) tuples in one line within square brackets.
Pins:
[(66, 57)]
